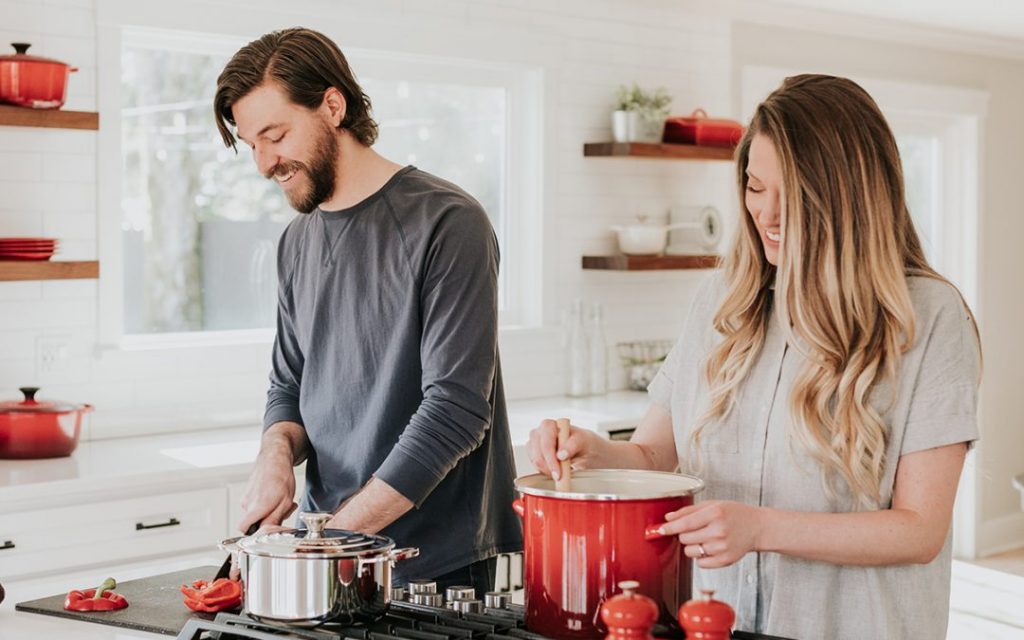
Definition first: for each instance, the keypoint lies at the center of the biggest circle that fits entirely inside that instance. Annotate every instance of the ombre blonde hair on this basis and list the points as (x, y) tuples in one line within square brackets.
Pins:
[(840, 288)]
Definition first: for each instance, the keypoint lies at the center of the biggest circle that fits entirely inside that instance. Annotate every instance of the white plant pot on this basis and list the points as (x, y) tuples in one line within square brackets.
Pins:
[(632, 126), (620, 126)]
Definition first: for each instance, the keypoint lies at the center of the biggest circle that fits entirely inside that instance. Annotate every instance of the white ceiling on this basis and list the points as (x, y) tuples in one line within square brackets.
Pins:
[(1002, 18)]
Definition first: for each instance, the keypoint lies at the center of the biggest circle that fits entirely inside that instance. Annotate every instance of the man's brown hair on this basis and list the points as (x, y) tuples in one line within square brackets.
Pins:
[(305, 63)]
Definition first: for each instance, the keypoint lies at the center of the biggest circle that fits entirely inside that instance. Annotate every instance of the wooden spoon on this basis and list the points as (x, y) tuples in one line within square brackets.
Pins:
[(564, 482)]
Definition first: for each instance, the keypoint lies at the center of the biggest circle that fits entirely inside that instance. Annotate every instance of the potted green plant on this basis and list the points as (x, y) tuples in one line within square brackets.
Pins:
[(639, 115)]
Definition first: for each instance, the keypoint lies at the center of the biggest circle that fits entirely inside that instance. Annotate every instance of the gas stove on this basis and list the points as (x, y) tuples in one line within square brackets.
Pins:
[(403, 621), (425, 615)]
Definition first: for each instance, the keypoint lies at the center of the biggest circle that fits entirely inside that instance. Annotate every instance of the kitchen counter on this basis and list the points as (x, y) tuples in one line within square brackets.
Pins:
[(228, 453), (205, 457)]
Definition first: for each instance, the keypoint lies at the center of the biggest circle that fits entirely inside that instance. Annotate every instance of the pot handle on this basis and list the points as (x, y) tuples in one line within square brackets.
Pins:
[(403, 554), (653, 532), (519, 507)]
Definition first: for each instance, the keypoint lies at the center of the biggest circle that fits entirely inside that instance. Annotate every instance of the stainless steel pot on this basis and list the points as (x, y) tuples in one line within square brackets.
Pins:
[(306, 577)]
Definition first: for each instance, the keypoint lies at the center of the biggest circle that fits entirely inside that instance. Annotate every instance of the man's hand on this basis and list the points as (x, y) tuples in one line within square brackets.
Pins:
[(270, 495)]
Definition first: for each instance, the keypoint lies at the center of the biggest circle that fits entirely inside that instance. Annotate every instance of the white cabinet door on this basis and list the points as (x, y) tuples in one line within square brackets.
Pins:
[(39, 541)]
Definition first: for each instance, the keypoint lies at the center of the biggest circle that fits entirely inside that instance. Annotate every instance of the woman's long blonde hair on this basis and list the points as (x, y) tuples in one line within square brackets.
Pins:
[(841, 294)]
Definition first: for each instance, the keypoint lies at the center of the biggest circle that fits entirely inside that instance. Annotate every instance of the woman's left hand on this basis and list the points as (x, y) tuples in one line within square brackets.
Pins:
[(715, 533)]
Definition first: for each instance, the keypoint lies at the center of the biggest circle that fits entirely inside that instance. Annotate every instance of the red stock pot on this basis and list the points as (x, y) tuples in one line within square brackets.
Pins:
[(33, 81), (580, 544), (31, 428)]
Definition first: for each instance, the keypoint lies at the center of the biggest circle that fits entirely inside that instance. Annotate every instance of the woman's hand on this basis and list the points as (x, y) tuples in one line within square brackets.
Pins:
[(715, 533), (583, 447)]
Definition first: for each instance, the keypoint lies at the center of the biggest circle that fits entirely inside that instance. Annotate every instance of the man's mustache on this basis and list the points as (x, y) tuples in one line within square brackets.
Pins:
[(283, 169)]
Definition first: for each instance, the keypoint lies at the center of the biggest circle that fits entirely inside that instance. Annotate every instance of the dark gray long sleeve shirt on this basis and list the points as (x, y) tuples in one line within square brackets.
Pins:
[(386, 353)]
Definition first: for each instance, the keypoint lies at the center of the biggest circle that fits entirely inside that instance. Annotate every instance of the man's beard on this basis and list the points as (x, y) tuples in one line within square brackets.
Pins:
[(320, 171)]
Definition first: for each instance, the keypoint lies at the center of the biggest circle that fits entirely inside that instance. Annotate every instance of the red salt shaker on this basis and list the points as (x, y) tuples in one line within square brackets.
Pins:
[(629, 615), (705, 618)]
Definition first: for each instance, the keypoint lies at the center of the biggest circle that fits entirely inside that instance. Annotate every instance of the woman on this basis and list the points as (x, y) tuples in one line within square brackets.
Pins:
[(824, 388)]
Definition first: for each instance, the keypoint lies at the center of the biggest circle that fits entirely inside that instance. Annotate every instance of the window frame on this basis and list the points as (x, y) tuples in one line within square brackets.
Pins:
[(522, 194)]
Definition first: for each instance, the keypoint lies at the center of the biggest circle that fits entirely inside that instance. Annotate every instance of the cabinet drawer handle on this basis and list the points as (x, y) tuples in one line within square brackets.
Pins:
[(173, 522), (8, 544)]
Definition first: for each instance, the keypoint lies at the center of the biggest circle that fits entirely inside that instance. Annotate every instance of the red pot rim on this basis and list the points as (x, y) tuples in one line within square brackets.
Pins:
[(610, 485)]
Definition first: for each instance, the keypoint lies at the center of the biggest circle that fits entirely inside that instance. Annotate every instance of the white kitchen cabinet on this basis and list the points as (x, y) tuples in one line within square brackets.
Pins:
[(97, 532)]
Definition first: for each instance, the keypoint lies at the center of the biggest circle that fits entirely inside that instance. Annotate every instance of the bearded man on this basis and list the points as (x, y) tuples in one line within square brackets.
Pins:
[(385, 376)]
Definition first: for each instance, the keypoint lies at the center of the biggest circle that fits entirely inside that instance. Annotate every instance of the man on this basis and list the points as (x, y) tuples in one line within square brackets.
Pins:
[(385, 374)]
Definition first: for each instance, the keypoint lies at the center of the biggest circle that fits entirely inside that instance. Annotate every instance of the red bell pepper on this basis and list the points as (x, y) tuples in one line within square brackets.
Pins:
[(98, 599), (210, 597)]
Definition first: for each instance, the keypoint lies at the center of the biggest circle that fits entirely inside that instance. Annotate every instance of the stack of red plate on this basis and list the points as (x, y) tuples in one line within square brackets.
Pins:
[(27, 248)]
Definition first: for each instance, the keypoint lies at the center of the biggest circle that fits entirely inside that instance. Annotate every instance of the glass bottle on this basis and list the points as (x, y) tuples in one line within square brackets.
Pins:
[(579, 385), (598, 352)]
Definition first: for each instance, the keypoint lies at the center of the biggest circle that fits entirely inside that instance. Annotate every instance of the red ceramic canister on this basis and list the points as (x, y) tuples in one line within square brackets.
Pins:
[(580, 544)]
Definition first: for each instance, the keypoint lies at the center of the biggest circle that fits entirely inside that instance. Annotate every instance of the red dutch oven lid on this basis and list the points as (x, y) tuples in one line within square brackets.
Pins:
[(31, 405), (20, 55)]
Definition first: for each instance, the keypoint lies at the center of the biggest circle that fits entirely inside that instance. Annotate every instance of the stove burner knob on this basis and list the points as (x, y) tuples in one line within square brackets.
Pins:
[(419, 587), (427, 599), (398, 593), (495, 600), (459, 592), (467, 606)]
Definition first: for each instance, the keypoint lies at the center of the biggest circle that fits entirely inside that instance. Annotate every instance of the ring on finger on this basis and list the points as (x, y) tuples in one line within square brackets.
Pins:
[(700, 548)]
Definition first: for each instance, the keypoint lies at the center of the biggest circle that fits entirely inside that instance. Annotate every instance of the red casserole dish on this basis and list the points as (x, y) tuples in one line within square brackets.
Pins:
[(33, 81), (33, 429), (701, 130)]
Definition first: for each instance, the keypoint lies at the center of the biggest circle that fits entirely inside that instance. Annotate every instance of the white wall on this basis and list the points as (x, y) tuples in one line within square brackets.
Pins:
[(586, 48)]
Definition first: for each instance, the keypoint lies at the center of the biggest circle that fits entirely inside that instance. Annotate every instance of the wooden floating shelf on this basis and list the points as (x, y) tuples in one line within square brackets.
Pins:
[(655, 150), (50, 118), (649, 263), (47, 270)]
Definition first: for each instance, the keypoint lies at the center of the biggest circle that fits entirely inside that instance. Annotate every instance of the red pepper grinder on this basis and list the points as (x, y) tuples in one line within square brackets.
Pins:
[(706, 618), (629, 615)]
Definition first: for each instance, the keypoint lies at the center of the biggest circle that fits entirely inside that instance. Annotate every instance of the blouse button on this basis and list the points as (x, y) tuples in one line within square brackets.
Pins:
[(750, 578)]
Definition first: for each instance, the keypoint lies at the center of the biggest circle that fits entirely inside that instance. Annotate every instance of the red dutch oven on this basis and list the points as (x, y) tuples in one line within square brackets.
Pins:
[(32, 81), (580, 544), (699, 129), (33, 429)]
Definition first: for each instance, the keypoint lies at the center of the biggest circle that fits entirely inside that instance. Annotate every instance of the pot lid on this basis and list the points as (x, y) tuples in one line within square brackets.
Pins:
[(613, 484), (20, 55), (315, 541), (31, 405)]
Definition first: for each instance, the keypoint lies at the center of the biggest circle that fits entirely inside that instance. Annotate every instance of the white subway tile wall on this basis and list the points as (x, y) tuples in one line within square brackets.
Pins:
[(48, 182)]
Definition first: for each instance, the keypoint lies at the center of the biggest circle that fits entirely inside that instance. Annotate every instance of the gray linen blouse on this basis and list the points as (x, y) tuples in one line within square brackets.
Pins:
[(749, 458)]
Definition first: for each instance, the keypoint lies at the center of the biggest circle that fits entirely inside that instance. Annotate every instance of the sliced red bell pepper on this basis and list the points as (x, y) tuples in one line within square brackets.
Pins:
[(219, 595), (98, 599)]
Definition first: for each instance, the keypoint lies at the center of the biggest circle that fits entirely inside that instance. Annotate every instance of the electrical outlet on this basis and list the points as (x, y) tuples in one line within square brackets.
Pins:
[(53, 354)]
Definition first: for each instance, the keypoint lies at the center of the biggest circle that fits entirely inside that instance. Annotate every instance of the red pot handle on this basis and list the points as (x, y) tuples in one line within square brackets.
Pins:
[(652, 532), (519, 507)]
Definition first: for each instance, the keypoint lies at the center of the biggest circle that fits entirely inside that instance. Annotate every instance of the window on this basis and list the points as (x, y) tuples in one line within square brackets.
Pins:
[(200, 225)]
